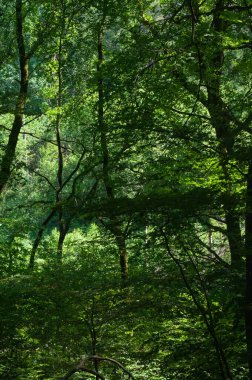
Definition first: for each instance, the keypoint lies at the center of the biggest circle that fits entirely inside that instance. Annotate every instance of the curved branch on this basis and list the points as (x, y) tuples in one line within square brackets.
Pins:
[(113, 361), (82, 369)]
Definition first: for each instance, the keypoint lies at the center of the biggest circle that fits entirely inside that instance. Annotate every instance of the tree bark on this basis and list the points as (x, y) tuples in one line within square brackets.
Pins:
[(8, 157), (61, 225), (221, 121), (248, 255), (39, 238), (114, 226), (63, 230)]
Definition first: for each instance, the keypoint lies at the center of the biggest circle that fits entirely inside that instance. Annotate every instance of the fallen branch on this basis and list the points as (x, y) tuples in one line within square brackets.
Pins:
[(81, 367)]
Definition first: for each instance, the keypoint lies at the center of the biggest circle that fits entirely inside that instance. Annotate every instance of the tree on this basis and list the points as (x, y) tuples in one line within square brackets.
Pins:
[(128, 155)]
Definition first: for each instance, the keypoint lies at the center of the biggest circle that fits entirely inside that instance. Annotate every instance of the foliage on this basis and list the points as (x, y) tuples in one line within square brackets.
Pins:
[(125, 185)]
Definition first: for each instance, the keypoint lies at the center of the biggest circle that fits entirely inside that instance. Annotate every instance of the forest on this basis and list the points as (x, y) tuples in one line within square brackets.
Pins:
[(125, 189)]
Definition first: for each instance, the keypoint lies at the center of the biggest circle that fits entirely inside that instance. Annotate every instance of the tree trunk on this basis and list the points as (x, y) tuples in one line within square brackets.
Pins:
[(62, 229), (114, 226), (7, 160), (221, 120), (39, 238), (248, 255), (121, 243), (236, 245)]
